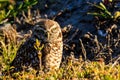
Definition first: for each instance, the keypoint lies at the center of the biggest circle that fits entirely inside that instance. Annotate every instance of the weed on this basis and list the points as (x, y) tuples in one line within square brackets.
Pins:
[(8, 54), (103, 13), (11, 8)]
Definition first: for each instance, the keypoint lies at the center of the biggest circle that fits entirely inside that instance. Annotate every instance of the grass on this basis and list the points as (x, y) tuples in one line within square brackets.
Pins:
[(71, 68), (11, 8)]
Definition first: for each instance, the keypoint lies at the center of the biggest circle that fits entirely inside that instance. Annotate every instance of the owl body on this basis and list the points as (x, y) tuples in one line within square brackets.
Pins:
[(48, 33)]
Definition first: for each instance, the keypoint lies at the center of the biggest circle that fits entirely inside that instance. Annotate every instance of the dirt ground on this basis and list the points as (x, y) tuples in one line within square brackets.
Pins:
[(80, 34)]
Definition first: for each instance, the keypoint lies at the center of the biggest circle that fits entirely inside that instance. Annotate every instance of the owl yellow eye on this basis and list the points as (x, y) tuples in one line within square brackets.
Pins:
[(54, 29)]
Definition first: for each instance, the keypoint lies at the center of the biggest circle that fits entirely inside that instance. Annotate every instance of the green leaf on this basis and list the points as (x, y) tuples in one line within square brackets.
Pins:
[(8, 13), (38, 45), (103, 6), (97, 6), (4, 0), (20, 6), (95, 14)]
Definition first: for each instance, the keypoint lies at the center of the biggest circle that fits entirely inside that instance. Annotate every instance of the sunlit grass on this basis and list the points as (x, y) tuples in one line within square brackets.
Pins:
[(71, 69)]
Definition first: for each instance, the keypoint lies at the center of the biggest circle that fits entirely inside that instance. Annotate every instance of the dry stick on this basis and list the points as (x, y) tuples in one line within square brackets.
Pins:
[(66, 45), (23, 14), (97, 43), (4, 21), (108, 40), (83, 49), (28, 18), (108, 46), (115, 62), (29, 13), (117, 42), (38, 13), (40, 58), (17, 20), (75, 33)]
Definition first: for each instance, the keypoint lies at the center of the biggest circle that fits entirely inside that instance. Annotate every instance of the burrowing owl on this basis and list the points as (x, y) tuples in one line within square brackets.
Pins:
[(47, 32)]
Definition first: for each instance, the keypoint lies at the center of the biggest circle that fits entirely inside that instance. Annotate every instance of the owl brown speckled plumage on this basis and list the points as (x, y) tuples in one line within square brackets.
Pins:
[(48, 32)]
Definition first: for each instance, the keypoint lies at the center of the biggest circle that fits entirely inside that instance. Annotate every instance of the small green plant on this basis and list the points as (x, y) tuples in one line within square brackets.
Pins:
[(8, 54), (38, 46), (11, 8), (103, 13)]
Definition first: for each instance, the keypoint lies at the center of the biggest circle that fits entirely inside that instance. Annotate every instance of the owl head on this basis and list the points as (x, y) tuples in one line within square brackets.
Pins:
[(47, 30)]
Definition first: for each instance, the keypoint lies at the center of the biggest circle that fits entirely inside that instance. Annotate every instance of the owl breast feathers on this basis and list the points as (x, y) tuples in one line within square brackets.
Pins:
[(48, 33)]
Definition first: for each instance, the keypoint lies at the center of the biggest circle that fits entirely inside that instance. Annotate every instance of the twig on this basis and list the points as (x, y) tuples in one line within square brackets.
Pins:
[(83, 49), (115, 62), (74, 34)]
